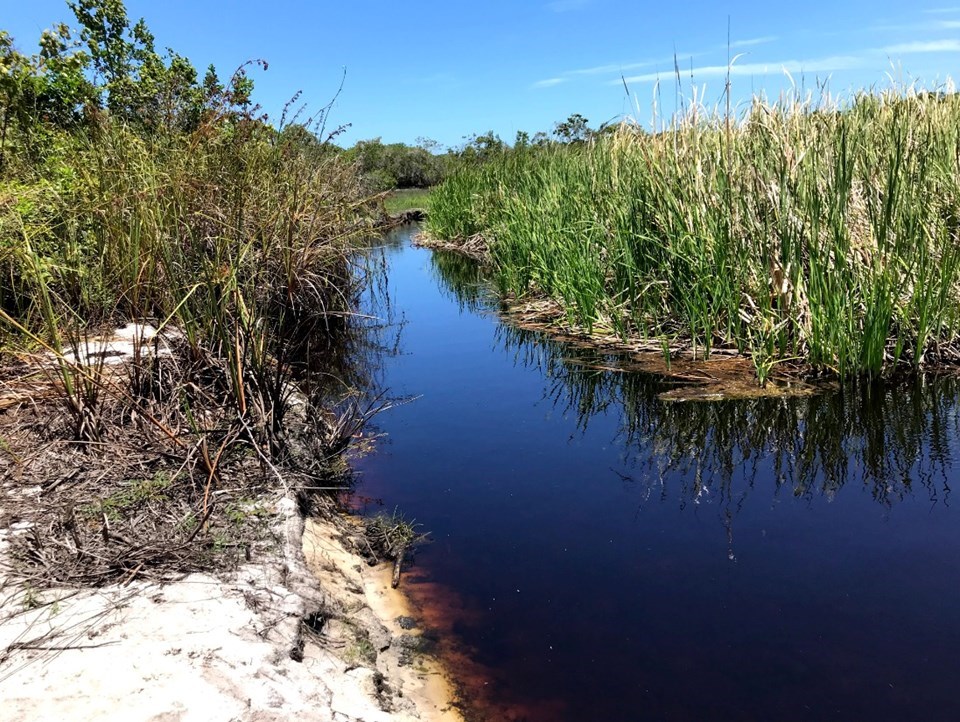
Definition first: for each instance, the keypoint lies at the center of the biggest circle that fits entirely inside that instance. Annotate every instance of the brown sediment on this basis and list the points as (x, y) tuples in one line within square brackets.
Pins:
[(442, 612), (475, 248), (725, 374), (389, 221), (362, 606)]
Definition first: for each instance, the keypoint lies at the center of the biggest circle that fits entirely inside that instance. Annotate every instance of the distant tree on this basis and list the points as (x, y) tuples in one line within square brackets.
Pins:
[(397, 165), (482, 147), (575, 129), (133, 81), (428, 144), (540, 138)]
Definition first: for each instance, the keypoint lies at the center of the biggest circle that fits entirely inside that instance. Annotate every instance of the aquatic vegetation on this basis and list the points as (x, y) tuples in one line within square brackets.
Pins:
[(406, 200), (813, 231)]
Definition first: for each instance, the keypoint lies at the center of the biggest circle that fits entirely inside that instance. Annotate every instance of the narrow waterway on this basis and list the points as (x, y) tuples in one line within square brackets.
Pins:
[(600, 554)]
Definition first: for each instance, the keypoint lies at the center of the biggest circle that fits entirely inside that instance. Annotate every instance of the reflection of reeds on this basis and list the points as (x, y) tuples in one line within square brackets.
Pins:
[(821, 232), (884, 437), (463, 278)]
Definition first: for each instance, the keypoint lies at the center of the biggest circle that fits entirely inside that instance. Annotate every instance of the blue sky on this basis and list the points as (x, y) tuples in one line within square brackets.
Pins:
[(445, 70)]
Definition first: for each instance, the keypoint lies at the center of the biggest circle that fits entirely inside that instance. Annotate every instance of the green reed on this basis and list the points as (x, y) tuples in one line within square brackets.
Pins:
[(814, 231)]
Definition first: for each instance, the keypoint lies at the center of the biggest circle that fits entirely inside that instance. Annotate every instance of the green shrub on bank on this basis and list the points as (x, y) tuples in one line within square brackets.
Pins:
[(818, 233), (150, 195)]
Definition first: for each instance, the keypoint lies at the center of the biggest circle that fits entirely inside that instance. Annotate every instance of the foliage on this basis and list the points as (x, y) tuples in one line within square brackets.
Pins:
[(132, 192), (390, 535), (574, 129), (396, 165)]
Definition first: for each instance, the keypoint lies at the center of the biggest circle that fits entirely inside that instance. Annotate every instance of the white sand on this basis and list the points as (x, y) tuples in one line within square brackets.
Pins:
[(208, 648)]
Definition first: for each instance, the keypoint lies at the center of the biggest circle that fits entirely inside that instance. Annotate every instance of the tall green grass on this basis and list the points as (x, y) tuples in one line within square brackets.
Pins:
[(803, 231), (235, 239)]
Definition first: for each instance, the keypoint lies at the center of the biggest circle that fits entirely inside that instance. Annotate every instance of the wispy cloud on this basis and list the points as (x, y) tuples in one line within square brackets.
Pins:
[(565, 6), (621, 68), (924, 46), (925, 26), (750, 42), (609, 69), (816, 65), (549, 82), (943, 11), (612, 68)]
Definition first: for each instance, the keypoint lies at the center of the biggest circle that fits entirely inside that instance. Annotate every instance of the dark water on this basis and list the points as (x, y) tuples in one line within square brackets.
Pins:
[(602, 555)]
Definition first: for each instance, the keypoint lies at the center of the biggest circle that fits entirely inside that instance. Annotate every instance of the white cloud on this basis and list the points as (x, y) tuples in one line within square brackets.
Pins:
[(549, 82), (604, 69), (749, 42), (924, 46), (619, 68), (817, 65), (948, 24), (942, 11)]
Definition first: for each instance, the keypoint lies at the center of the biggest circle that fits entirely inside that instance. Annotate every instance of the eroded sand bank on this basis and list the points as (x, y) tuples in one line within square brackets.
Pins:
[(229, 647)]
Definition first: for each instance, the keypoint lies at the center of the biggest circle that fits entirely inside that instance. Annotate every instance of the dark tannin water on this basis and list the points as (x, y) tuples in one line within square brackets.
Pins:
[(600, 554)]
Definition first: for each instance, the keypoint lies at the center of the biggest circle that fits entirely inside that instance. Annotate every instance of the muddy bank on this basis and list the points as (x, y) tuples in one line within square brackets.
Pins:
[(367, 622)]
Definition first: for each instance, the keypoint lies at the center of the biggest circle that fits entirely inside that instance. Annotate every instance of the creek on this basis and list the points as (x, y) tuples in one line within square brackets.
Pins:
[(601, 554)]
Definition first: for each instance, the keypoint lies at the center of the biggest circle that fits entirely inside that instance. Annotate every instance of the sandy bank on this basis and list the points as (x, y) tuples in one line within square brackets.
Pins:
[(270, 641)]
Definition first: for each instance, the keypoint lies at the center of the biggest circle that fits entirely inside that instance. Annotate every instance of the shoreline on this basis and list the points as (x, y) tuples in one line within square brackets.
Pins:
[(726, 374), (266, 642)]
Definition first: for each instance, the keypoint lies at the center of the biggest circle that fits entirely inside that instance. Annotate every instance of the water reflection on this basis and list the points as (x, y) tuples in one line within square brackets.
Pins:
[(461, 280), (559, 599), (892, 439)]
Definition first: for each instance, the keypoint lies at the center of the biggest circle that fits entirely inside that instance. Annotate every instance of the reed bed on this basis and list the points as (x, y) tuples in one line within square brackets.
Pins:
[(819, 232)]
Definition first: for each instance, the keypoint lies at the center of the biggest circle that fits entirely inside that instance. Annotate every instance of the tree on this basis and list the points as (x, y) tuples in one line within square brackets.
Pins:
[(63, 88), (482, 147), (134, 82), (574, 129)]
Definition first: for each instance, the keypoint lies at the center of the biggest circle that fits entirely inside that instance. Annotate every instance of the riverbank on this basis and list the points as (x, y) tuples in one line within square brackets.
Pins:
[(727, 374), (308, 631), (823, 233), (133, 569)]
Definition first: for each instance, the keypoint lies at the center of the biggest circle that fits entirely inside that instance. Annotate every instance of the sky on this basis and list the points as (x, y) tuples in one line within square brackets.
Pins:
[(448, 70)]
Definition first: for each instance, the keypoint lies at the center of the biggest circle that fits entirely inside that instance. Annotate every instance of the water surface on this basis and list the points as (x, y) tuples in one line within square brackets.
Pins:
[(600, 554)]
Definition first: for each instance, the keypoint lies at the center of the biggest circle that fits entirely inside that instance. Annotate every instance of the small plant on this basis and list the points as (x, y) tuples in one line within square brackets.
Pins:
[(131, 496), (391, 535), (241, 511)]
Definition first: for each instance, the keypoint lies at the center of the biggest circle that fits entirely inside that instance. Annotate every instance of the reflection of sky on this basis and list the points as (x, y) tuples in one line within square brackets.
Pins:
[(635, 545)]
